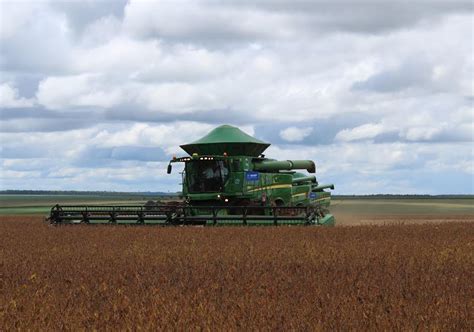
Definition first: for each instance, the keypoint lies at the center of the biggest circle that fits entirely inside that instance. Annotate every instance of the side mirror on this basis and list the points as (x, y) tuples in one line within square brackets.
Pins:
[(169, 169)]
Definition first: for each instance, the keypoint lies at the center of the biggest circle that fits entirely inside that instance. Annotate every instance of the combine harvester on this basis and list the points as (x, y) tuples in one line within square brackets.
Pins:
[(226, 181)]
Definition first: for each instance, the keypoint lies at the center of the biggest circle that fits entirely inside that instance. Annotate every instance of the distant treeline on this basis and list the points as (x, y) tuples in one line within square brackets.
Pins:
[(85, 193), (163, 194), (387, 196)]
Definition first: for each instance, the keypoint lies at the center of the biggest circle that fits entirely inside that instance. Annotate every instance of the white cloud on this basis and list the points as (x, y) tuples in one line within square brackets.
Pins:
[(204, 20), (211, 22), (36, 38), (19, 14), (101, 31), (388, 167), (75, 91), (422, 133), (10, 98), (295, 134), (168, 136), (366, 131), (373, 90)]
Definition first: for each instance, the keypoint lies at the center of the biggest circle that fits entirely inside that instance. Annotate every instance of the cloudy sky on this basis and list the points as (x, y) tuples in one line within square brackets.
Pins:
[(97, 95)]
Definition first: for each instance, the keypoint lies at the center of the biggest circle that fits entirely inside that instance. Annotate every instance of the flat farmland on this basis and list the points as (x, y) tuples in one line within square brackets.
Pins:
[(408, 210), (41, 204), (392, 277), (347, 211), (391, 264)]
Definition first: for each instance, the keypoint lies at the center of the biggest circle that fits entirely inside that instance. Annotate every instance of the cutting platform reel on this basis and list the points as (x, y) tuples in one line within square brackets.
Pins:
[(169, 215)]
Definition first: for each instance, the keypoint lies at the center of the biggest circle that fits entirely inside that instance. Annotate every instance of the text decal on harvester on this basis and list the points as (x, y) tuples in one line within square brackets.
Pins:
[(252, 176)]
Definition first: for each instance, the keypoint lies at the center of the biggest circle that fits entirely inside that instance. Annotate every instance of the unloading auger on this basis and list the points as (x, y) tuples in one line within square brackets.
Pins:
[(226, 181)]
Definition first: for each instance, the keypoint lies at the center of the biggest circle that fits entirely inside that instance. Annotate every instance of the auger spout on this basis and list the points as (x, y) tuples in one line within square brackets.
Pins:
[(285, 165), (311, 178), (323, 186)]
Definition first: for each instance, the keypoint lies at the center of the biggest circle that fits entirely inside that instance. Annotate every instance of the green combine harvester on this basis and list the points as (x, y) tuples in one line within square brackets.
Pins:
[(226, 181)]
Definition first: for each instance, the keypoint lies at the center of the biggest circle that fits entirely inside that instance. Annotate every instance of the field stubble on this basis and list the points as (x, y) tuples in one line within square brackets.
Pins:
[(364, 277)]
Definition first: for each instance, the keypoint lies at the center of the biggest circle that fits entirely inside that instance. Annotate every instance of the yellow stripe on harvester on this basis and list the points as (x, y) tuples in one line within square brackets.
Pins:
[(300, 194), (321, 199), (316, 200), (274, 186)]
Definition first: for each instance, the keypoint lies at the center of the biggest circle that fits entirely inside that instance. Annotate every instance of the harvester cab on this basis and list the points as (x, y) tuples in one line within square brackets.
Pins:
[(228, 180)]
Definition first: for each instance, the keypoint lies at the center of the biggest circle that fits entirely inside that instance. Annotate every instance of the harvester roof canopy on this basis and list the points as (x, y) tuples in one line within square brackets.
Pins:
[(228, 139)]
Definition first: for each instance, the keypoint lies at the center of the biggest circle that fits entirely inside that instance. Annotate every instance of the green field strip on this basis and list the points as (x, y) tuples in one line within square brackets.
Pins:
[(41, 205)]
